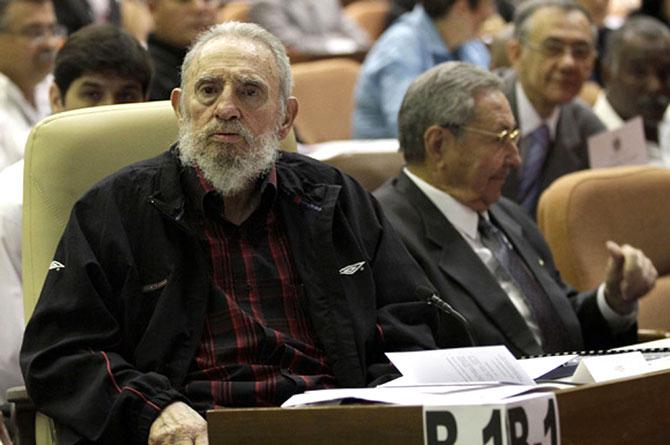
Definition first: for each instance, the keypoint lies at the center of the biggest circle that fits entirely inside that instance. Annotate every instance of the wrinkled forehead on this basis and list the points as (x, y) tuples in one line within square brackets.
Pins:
[(558, 23), (234, 57)]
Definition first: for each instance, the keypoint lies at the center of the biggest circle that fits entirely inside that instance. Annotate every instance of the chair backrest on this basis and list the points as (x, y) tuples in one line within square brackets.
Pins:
[(235, 11), (325, 90), (370, 15), (66, 154), (369, 162), (579, 212)]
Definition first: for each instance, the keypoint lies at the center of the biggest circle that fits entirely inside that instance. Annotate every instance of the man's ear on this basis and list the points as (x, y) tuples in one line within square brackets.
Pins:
[(175, 98), (55, 98), (514, 50), (433, 141), (289, 117)]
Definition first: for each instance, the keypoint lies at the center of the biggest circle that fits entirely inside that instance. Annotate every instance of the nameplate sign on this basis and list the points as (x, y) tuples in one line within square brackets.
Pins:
[(525, 420)]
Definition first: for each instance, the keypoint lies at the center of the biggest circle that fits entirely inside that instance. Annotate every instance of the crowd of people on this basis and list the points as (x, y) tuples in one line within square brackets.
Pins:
[(228, 273)]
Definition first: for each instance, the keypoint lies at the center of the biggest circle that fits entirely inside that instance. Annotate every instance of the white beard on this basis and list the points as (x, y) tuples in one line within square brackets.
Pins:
[(227, 169)]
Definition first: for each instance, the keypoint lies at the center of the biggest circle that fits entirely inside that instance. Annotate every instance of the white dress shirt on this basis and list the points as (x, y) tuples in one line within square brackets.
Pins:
[(11, 294), (18, 116)]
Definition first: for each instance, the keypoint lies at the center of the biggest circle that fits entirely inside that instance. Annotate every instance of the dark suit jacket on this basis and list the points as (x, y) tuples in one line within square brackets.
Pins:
[(569, 150), (463, 280), (75, 14)]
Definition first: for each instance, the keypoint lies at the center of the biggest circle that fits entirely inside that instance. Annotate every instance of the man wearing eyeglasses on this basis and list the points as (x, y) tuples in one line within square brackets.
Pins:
[(482, 253), (552, 54), (29, 39)]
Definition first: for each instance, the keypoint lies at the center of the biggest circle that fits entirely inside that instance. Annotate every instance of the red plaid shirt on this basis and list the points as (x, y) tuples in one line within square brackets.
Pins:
[(258, 347)]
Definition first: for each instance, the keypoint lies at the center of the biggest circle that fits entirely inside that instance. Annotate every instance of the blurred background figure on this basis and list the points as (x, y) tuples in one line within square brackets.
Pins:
[(176, 23), (434, 31), (29, 39), (75, 14), (310, 27), (636, 75)]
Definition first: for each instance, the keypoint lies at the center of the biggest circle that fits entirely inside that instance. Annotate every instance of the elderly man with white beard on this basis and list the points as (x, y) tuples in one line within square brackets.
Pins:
[(221, 273)]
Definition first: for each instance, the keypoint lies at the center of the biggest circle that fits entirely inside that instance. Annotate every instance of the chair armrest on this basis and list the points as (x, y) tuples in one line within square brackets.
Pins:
[(22, 416)]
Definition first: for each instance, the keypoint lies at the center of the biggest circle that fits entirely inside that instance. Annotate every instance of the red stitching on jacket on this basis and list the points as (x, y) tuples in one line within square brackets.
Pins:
[(128, 388)]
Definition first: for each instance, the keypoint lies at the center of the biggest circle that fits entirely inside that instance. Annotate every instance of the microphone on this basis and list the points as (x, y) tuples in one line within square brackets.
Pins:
[(426, 294)]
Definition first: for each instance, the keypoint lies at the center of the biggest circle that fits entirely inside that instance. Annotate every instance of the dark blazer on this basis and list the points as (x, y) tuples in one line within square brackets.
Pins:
[(569, 150), (75, 14), (463, 280)]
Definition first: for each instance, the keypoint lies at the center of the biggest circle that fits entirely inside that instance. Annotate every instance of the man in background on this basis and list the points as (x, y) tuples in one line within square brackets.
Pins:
[(29, 39), (552, 53), (484, 255), (433, 32), (176, 24), (310, 27), (98, 65), (636, 76)]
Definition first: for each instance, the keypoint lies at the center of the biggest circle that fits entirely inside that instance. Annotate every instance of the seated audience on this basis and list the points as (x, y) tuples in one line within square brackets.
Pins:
[(434, 31), (98, 65), (552, 53), (176, 24), (483, 253), (29, 39), (221, 273), (311, 27), (637, 79)]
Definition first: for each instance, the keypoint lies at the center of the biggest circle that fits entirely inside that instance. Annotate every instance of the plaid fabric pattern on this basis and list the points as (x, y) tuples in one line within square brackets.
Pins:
[(258, 347)]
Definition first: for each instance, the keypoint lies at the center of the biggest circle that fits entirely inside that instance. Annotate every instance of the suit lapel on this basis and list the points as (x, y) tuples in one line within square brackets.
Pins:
[(461, 263)]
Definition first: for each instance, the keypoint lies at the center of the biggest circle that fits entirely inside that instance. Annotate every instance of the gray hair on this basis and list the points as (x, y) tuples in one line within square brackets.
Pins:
[(526, 10), (644, 27), (246, 31), (442, 95)]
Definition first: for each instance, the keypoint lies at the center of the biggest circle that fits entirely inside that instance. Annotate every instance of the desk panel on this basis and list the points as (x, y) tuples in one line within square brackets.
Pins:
[(634, 411)]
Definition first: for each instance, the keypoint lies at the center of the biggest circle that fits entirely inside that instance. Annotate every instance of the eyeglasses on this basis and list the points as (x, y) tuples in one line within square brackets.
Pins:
[(503, 137), (554, 48), (38, 34)]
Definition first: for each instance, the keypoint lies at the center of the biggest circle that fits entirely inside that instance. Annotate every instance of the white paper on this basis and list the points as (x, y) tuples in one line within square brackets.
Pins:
[(475, 364), (625, 145), (594, 369), (538, 366), (412, 396)]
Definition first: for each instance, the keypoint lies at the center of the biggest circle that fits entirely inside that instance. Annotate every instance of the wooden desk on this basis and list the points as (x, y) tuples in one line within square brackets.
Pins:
[(633, 411)]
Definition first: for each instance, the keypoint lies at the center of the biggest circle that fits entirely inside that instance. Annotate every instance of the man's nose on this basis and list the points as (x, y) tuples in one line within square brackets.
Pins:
[(226, 105), (514, 158)]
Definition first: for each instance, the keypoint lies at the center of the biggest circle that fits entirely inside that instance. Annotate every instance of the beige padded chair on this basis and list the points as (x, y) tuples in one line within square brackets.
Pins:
[(325, 91), (579, 212), (65, 155), (370, 15)]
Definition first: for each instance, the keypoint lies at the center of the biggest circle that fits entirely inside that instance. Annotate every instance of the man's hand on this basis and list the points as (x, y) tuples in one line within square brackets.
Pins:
[(629, 276), (178, 424)]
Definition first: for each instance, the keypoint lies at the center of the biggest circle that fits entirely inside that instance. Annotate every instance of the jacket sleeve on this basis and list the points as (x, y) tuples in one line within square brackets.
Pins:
[(404, 322), (76, 359)]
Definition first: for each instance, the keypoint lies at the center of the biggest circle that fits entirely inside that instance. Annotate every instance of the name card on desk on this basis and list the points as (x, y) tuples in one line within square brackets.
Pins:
[(531, 419)]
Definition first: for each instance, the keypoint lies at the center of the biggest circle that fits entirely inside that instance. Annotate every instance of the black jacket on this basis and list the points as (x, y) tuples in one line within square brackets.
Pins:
[(117, 326)]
